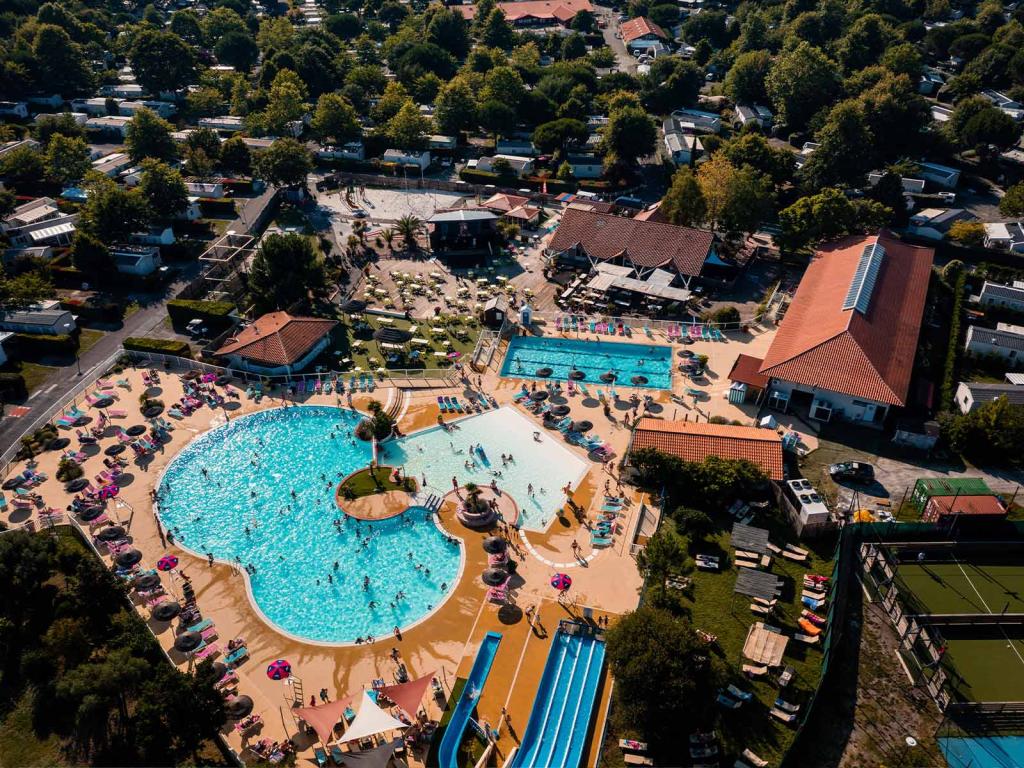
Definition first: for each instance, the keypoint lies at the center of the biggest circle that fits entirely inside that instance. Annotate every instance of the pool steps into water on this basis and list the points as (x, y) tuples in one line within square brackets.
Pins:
[(559, 721), (448, 752)]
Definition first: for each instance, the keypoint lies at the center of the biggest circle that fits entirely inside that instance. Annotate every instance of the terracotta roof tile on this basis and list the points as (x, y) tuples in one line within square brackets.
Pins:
[(869, 355), (646, 243), (505, 203), (963, 505), (277, 338), (638, 27), (562, 10), (695, 441), (747, 369)]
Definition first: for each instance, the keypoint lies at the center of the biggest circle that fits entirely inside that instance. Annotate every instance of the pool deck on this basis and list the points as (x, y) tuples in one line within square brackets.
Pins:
[(605, 581)]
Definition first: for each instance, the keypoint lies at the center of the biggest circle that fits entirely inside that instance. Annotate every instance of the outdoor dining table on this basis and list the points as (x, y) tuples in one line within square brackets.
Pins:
[(440, 354), (386, 321), (421, 342)]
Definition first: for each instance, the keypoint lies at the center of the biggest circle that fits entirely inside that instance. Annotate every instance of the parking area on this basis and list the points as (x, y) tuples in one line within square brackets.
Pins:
[(384, 206)]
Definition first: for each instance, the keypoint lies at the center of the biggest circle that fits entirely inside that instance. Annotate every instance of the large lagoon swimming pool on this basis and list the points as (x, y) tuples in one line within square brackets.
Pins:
[(261, 490), (528, 354), (440, 455)]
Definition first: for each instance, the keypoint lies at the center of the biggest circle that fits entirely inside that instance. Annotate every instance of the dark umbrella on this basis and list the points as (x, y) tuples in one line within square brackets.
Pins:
[(104, 402), (115, 449), (13, 483), (392, 335), (238, 707), (58, 443), (221, 381), (76, 485), (147, 581), (152, 411), (686, 353), (581, 426), (353, 306), (539, 395), (191, 375), (639, 380), (128, 558), (88, 514), (494, 577), (188, 641), (166, 611), (112, 533), (577, 375), (543, 372), (494, 545), (608, 377), (560, 410), (219, 669), (135, 430)]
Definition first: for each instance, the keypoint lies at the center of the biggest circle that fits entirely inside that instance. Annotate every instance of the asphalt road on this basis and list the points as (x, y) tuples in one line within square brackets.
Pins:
[(626, 63)]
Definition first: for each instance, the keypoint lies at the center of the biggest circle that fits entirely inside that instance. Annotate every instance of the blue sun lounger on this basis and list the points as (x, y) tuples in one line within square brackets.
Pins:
[(600, 541), (441, 404), (321, 756)]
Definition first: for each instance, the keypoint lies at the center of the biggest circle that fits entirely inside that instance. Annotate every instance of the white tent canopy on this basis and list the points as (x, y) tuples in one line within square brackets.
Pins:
[(370, 721)]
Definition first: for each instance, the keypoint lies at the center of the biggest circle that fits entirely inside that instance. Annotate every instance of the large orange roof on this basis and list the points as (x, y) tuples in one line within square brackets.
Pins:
[(638, 27), (866, 352), (562, 10), (695, 441), (277, 338)]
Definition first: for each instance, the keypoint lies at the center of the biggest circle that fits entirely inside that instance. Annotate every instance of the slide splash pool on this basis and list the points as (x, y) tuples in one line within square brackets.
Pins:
[(447, 754), (557, 730)]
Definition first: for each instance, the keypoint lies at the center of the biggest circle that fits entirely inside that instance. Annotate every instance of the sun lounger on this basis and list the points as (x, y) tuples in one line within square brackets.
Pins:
[(497, 595), (117, 413), (321, 756), (785, 717), (814, 605), (761, 610), (754, 760), (337, 755), (809, 628), (806, 639), (797, 550), (739, 694), (236, 656), (207, 651), (727, 702), (754, 670), (794, 556), (814, 618), (202, 625), (741, 563), (599, 542), (785, 706)]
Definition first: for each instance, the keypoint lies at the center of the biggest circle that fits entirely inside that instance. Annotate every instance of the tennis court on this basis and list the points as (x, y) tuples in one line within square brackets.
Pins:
[(963, 587), (988, 666)]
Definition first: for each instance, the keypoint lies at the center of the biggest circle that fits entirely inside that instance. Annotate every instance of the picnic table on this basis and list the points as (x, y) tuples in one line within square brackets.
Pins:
[(386, 321)]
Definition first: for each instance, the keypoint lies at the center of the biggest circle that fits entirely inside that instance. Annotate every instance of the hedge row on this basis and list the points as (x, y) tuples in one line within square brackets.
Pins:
[(473, 176), (217, 208), (33, 345), (12, 386), (158, 346), (183, 310), (952, 352)]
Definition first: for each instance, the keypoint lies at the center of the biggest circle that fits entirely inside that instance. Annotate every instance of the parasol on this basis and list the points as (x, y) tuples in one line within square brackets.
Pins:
[(147, 581), (577, 375), (113, 533), (238, 707), (581, 426), (279, 669), (167, 563), (543, 372), (539, 396), (494, 545), (561, 581), (608, 377), (128, 558), (166, 611), (639, 380), (187, 642), (494, 577)]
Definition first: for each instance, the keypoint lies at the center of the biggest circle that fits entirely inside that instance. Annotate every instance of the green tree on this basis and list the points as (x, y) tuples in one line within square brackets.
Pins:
[(989, 435), (754, 150), (801, 81), (286, 163), (59, 62), (890, 193), (990, 128), (90, 255), (67, 159), (185, 24), (24, 290), (663, 676), (696, 523), (684, 202), (237, 49), (560, 135), (664, 556), (584, 22), (408, 128), (503, 84), (672, 83), (845, 150), (286, 270), (865, 42), (205, 102), (235, 155), (162, 61), (111, 213), (496, 117), (393, 99), (745, 81), (630, 134), (23, 165), (573, 47), (149, 136), (969, 233), (1012, 203), (62, 124), (496, 32), (286, 101), (449, 30), (336, 119), (737, 198), (455, 107), (408, 227), (163, 188), (904, 59), (827, 215)]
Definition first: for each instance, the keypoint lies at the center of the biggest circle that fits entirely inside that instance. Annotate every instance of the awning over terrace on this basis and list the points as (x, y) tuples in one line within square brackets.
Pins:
[(764, 646)]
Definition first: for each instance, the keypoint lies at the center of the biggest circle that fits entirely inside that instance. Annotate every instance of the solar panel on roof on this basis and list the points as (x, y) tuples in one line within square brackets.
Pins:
[(864, 278)]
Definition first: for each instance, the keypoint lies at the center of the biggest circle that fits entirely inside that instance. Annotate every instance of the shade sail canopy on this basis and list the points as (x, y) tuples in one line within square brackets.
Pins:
[(764, 646), (325, 717), (408, 695), (370, 721), (392, 335)]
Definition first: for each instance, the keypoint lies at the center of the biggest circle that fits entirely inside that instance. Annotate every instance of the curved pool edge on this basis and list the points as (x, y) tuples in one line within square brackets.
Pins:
[(435, 518)]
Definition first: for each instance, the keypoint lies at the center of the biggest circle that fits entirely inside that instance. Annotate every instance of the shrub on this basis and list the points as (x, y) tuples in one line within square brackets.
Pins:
[(727, 315), (159, 346), (364, 430), (12, 386), (183, 310), (31, 345), (68, 470), (473, 176), (949, 369)]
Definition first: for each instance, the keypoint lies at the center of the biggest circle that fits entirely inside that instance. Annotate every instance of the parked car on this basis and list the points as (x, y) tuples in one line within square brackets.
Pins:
[(852, 470)]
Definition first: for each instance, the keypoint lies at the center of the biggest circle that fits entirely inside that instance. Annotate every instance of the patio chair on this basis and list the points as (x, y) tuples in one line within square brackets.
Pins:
[(754, 760), (785, 717)]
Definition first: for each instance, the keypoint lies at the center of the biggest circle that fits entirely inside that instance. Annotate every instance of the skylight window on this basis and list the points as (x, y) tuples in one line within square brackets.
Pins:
[(864, 279)]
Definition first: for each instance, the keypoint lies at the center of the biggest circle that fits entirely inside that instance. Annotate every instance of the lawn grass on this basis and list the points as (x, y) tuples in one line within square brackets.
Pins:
[(34, 374), (88, 339), (362, 483), (19, 744), (353, 339), (715, 608)]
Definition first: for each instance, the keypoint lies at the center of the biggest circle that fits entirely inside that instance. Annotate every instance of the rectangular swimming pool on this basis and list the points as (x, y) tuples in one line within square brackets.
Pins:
[(527, 355)]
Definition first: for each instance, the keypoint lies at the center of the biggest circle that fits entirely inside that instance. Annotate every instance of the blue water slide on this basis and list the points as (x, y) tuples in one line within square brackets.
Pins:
[(447, 753), (556, 732)]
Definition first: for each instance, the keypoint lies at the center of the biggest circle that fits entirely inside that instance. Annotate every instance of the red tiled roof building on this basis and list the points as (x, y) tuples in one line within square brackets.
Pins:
[(846, 346), (695, 441), (277, 343)]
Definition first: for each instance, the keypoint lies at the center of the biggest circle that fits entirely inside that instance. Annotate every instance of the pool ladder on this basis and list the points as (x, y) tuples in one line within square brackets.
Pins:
[(433, 503)]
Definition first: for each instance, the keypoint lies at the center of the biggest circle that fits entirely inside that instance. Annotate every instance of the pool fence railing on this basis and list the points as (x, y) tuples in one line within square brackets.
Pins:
[(637, 323)]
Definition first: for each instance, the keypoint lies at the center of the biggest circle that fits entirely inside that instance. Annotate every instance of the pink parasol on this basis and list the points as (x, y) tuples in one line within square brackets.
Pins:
[(561, 581), (167, 563), (278, 670)]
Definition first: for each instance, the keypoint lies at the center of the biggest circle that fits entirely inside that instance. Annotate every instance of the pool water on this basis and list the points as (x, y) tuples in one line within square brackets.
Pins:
[(527, 354), (268, 498), (440, 455)]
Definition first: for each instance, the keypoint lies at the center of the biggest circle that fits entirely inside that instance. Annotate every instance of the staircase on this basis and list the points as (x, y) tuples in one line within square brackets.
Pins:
[(297, 693)]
